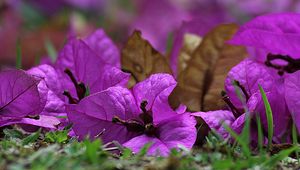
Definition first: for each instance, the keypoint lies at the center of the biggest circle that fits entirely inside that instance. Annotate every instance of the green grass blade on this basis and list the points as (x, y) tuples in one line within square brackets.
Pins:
[(12, 133), (223, 164), (126, 154), (260, 134), (18, 55), (295, 138), (269, 115), (144, 149), (238, 92), (294, 134), (244, 144), (87, 92), (245, 135), (37, 60), (31, 138), (51, 50), (57, 136), (280, 156), (91, 149), (170, 41)]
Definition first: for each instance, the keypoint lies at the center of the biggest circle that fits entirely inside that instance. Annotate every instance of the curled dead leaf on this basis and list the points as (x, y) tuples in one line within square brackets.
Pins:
[(201, 82), (141, 60), (230, 56), (190, 43)]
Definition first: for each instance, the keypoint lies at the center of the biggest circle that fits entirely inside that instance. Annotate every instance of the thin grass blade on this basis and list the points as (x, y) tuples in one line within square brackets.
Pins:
[(260, 134), (269, 115), (18, 55), (244, 144)]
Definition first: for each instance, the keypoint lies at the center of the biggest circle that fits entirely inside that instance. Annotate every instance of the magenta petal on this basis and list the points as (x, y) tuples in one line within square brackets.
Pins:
[(43, 121), (215, 120), (104, 47), (94, 114), (88, 68), (66, 60), (274, 33), (51, 88), (157, 146), (156, 90), (87, 126), (66, 56), (181, 109), (238, 124), (110, 76), (178, 130), (173, 133), (49, 75), (249, 74), (292, 95), (19, 95), (281, 117), (54, 106)]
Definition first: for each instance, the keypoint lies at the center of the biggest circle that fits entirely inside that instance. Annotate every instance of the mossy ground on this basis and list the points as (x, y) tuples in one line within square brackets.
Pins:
[(57, 151)]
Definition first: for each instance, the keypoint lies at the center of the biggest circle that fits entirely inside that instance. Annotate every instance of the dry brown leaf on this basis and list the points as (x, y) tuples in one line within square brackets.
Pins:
[(230, 56), (141, 59), (189, 44), (195, 81)]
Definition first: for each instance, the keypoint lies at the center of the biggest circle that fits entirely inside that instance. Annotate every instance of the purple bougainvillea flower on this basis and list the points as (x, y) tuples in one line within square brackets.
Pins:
[(101, 45), (21, 102), (274, 40), (135, 117), (247, 76), (82, 69), (19, 95), (272, 33), (215, 119)]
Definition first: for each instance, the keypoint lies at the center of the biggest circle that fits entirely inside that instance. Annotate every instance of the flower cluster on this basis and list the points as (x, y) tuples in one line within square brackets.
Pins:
[(273, 63), (85, 87)]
